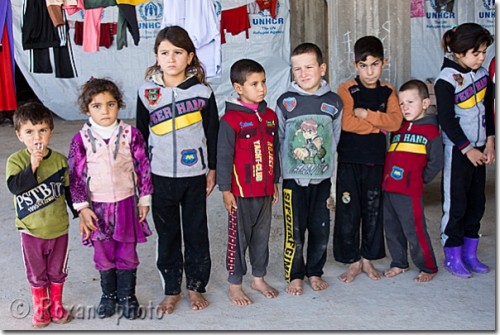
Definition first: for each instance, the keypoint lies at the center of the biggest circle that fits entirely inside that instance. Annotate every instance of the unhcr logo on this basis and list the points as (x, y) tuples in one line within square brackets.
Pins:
[(489, 5), (150, 11), (218, 8), (443, 9)]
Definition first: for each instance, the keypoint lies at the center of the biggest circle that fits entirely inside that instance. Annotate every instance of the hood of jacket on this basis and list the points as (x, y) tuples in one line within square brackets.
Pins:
[(323, 88), (235, 105), (427, 119), (157, 78)]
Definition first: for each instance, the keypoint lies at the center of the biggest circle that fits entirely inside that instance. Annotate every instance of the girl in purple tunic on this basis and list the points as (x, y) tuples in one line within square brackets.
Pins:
[(110, 183)]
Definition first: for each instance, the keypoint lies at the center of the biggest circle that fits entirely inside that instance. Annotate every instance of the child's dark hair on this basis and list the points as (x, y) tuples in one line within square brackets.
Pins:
[(306, 48), (34, 112), (415, 84), (179, 37), (465, 37), (368, 46), (242, 68), (95, 86)]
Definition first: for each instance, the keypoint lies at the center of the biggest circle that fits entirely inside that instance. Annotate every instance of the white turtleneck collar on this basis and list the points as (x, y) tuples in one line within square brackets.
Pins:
[(104, 132)]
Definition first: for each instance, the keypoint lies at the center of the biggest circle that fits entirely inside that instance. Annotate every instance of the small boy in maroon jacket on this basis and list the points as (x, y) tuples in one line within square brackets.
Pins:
[(414, 158)]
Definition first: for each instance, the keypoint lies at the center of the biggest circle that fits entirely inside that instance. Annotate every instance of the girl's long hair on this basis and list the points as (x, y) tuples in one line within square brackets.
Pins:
[(465, 37)]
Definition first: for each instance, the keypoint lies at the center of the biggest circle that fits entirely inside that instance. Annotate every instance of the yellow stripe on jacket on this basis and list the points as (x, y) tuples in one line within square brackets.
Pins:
[(180, 122), (408, 147), (473, 100)]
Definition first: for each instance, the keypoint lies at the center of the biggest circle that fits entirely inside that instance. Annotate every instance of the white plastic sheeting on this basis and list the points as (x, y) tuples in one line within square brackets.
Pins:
[(268, 43)]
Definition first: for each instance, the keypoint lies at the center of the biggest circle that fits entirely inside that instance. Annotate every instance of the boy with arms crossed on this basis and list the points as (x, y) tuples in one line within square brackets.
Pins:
[(371, 109)]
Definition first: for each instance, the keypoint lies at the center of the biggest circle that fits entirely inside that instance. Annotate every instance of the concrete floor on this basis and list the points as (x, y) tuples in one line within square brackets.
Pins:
[(446, 303)]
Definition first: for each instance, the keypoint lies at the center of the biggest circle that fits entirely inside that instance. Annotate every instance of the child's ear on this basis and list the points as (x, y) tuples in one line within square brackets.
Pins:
[(238, 88), (426, 103), (323, 69), (190, 58), (19, 136)]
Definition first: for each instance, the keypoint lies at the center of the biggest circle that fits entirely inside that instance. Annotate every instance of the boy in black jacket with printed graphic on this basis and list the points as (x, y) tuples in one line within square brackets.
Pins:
[(309, 118)]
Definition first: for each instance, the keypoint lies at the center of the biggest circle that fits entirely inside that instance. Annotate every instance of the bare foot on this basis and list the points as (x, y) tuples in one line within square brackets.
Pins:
[(168, 304), (370, 270), (259, 284), (295, 287), (425, 277), (317, 283), (237, 296), (394, 271), (351, 273), (198, 302)]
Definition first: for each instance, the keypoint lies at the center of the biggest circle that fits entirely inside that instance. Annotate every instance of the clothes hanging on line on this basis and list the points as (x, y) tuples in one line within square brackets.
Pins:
[(39, 35), (199, 19), (93, 11), (234, 21), (108, 31), (7, 63)]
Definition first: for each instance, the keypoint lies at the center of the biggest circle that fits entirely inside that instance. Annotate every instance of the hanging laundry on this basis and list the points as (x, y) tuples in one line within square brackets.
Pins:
[(199, 19), (93, 9), (234, 21), (107, 33), (127, 20), (39, 35), (272, 5), (92, 13), (7, 63)]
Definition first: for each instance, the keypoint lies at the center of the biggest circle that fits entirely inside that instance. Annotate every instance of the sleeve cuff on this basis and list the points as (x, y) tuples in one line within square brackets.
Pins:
[(467, 148), (145, 201), (81, 205), (223, 188)]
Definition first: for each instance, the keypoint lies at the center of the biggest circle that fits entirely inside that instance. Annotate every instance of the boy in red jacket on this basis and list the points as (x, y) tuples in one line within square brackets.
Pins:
[(248, 175), (414, 158)]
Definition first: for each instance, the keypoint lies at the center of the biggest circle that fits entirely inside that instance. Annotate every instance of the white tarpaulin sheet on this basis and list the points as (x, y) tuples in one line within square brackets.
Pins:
[(268, 43), (430, 19)]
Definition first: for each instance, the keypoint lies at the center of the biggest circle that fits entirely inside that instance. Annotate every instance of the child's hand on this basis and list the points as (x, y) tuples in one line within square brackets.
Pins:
[(143, 212), (229, 201), (276, 195), (87, 219), (476, 157), (36, 156), (210, 181), (489, 151), (361, 113)]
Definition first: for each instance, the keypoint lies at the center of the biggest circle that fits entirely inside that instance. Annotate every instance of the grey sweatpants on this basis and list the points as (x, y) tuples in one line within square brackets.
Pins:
[(404, 225), (249, 228)]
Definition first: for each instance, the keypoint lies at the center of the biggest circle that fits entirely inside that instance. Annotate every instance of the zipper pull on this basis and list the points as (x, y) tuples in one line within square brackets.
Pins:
[(409, 127), (258, 116)]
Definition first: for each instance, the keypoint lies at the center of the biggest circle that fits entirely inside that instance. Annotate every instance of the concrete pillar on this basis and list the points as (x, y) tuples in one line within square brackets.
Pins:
[(389, 20)]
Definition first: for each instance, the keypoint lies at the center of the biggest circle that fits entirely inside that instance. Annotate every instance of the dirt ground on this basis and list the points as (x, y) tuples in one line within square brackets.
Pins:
[(446, 303)]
